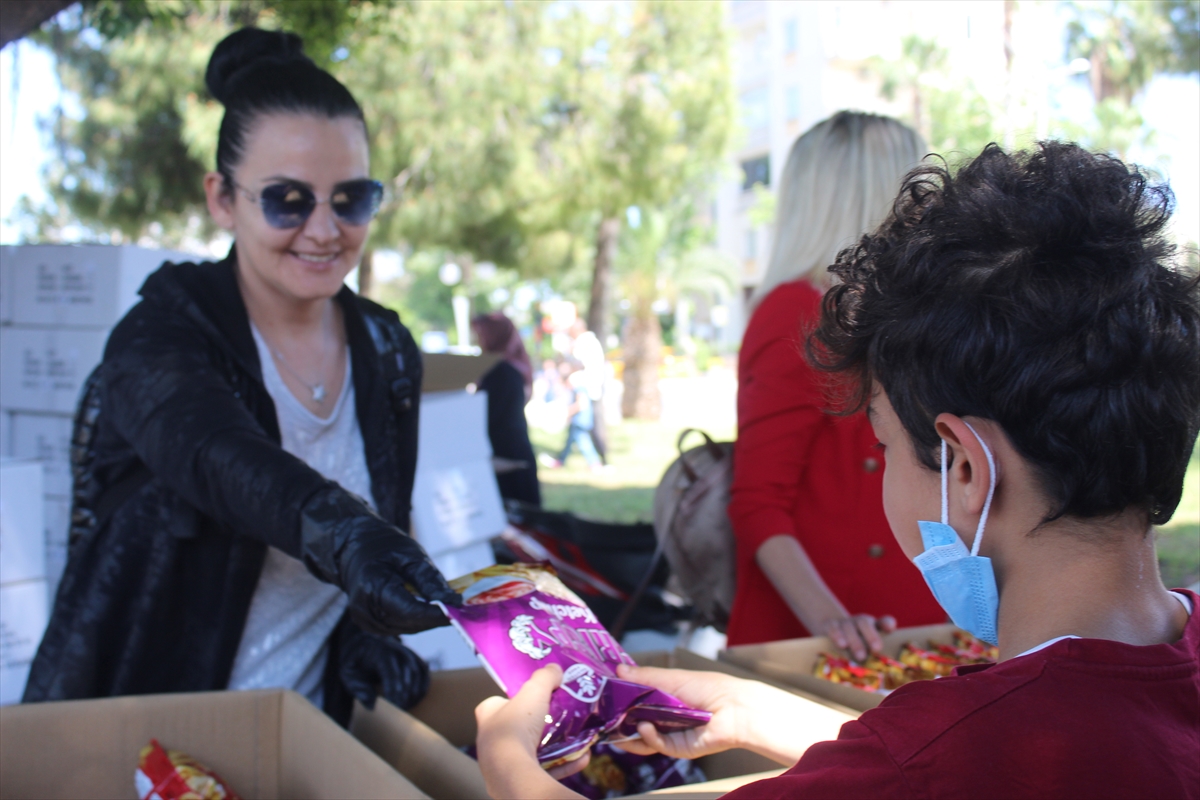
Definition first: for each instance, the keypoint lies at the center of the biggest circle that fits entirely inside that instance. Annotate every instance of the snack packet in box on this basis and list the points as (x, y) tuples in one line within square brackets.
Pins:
[(172, 775), (520, 617)]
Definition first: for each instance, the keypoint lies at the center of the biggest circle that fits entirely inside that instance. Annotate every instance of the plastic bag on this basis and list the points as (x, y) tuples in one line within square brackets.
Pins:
[(520, 617)]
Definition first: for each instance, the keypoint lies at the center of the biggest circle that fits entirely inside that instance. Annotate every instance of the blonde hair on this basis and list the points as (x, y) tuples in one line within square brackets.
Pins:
[(839, 182)]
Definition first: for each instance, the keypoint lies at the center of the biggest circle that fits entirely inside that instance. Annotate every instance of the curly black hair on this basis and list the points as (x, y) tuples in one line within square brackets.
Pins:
[(1037, 290)]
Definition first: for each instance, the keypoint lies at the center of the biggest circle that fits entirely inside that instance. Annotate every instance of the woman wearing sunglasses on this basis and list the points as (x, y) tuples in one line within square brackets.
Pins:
[(245, 452)]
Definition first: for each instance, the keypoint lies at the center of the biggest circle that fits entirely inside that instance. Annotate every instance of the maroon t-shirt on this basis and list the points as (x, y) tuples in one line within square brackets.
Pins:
[(1080, 718)]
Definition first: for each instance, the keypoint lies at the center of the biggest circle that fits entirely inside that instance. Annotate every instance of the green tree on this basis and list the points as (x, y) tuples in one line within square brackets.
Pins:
[(644, 109), (1127, 44), (133, 155), (945, 108), (664, 258)]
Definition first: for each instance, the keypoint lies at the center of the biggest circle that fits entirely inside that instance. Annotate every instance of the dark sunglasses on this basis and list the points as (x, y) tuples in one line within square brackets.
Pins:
[(289, 205)]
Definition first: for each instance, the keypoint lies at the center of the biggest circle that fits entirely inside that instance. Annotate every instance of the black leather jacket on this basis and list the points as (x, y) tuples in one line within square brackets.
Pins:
[(156, 591)]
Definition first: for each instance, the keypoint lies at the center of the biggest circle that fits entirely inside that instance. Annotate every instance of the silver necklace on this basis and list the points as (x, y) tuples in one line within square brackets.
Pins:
[(318, 390)]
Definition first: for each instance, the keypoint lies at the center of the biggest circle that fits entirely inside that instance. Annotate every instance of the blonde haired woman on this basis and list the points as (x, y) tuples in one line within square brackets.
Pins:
[(814, 551)]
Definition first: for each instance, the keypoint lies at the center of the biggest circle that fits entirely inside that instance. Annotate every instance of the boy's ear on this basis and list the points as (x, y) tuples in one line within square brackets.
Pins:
[(969, 472)]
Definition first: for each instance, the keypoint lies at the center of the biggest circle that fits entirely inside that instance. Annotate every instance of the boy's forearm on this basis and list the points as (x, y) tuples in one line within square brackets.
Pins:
[(781, 725), (511, 772)]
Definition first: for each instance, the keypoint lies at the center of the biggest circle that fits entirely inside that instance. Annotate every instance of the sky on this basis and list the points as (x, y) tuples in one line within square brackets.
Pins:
[(29, 91)]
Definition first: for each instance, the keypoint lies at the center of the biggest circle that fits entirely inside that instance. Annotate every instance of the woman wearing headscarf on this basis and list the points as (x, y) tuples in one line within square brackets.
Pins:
[(509, 385)]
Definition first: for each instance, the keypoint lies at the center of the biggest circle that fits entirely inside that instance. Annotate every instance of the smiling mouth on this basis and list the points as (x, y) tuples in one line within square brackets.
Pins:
[(316, 258)]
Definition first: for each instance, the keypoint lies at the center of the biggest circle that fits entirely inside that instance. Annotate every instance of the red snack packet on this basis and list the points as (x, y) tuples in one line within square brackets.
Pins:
[(980, 651), (892, 673), (932, 664), (172, 775), (842, 670)]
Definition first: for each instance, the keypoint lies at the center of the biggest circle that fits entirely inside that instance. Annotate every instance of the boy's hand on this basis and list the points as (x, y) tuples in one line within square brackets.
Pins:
[(709, 691), (507, 742), (749, 714)]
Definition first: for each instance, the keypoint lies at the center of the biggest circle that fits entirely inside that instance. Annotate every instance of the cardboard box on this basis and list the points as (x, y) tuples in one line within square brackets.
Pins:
[(22, 525), (23, 618), (80, 286), (791, 662), (46, 438), (445, 372), (423, 744), (266, 744), (44, 370)]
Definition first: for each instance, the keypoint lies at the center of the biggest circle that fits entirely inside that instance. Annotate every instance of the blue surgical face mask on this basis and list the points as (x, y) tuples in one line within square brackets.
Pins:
[(962, 581)]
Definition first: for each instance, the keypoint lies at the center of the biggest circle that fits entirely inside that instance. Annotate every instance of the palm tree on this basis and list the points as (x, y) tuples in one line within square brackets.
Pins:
[(661, 258)]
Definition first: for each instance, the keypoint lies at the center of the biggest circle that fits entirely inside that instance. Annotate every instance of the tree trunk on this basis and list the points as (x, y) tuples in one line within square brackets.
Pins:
[(602, 278), (365, 275), (643, 354)]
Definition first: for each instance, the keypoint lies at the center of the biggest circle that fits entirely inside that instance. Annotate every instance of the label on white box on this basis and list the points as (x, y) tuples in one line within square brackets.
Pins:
[(456, 501), (57, 513), (87, 286), (44, 370), (7, 255), (22, 525), (46, 438), (456, 506), (23, 618)]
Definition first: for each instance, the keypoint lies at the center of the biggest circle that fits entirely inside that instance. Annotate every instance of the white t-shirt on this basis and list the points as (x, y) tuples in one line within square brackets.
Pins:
[(286, 639)]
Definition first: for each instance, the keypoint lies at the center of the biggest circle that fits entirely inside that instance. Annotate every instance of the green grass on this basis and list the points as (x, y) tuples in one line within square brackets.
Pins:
[(638, 452), (638, 455)]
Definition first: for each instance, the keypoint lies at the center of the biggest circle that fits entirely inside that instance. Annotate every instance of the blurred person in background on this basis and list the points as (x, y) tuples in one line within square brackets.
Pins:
[(581, 418), (589, 353), (509, 386), (815, 555), (245, 452)]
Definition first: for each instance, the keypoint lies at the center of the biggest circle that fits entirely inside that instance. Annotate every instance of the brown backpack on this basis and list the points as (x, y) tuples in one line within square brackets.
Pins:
[(693, 528)]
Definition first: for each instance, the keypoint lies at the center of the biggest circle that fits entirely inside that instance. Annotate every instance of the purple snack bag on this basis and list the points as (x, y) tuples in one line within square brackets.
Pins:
[(519, 618)]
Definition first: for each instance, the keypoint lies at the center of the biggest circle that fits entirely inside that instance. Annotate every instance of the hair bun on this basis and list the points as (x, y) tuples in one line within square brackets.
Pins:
[(247, 47)]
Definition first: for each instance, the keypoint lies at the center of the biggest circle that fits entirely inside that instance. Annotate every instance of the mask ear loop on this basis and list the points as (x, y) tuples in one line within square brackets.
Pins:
[(987, 504), (945, 489)]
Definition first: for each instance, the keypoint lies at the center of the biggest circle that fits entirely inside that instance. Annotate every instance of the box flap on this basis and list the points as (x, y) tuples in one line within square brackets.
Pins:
[(89, 748), (265, 744), (418, 752), (446, 372), (320, 760), (709, 790)]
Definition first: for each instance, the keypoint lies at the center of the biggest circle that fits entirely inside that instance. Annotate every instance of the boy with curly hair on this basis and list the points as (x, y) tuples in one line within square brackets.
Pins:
[(1029, 358)]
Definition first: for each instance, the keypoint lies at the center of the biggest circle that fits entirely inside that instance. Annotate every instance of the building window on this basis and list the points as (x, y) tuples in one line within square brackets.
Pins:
[(791, 37), (756, 170), (751, 244), (792, 102), (756, 110)]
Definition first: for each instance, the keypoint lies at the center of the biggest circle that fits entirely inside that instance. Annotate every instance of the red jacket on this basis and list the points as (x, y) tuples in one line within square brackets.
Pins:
[(1081, 718), (802, 472)]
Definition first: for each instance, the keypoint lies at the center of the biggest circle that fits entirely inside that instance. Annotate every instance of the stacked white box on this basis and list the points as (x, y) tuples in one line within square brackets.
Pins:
[(456, 502), (23, 601), (58, 304), (79, 286)]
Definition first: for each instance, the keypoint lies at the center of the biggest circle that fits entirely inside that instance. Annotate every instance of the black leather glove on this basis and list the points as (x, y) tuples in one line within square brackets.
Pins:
[(343, 542), (370, 665)]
